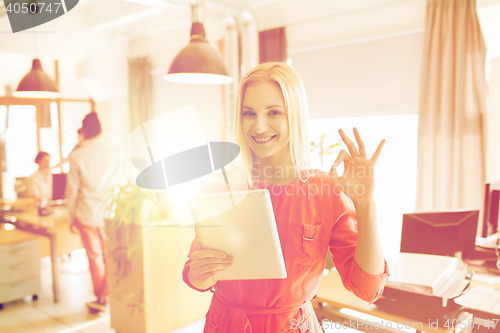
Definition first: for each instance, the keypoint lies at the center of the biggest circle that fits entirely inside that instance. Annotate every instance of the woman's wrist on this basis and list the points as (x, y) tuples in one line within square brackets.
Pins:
[(364, 203), (366, 213), (195, 282)]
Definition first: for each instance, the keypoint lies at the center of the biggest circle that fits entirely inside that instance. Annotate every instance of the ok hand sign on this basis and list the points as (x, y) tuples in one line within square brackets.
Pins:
[(358, 179)]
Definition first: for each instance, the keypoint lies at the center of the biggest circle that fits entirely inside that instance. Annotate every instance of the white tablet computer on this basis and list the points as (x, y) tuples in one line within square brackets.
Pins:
[(247, 231)]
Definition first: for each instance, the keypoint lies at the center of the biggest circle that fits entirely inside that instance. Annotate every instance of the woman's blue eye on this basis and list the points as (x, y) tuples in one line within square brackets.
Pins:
[(274, 113), (248, 114)]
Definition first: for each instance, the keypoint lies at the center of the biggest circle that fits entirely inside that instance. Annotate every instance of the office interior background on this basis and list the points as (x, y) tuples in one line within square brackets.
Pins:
[(361, 62)]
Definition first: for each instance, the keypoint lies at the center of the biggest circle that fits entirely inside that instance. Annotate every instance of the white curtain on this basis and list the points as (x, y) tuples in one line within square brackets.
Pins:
[(140, 91), (452, 102)]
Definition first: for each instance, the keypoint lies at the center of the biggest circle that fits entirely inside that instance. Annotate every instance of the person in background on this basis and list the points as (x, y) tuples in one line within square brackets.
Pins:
[(39, 184), (81, 141), (95, 169)]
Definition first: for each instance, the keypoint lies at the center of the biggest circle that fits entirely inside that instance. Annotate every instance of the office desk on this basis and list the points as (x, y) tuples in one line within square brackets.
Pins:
[(54, 229), (332, 296)]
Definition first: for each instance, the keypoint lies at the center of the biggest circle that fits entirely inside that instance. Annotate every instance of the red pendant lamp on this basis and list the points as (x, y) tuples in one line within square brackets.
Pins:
[(198, 62), (37, 84)]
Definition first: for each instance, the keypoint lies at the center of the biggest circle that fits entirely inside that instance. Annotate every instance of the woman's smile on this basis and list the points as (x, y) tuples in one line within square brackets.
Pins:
[(263, 139)]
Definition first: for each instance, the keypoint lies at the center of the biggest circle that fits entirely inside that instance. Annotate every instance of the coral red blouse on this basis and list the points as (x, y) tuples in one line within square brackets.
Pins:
[(311, 217)]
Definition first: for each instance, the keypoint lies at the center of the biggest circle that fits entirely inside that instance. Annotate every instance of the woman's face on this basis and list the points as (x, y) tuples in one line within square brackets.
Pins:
[(264, 123)]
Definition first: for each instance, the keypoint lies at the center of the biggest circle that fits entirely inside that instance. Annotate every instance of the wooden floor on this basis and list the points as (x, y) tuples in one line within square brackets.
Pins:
[(68, 315)]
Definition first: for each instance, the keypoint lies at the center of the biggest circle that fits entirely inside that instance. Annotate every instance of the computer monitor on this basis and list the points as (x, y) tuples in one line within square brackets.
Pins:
[(441, 233), (58, 186), (491, 211)]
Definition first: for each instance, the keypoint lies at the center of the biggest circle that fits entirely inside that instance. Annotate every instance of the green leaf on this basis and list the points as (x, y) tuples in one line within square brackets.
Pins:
[(128, 296)]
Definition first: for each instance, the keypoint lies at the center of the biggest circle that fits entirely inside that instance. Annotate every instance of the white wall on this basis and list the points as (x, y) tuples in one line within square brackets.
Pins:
[(108, 85), (169, 96), (379, 77)]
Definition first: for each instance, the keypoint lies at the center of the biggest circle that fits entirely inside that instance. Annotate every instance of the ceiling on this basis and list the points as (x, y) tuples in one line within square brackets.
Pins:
[(93, 41), (316, 22)]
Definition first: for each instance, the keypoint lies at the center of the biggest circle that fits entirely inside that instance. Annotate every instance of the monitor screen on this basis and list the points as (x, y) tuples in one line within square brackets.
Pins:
[(441, 233), (58, 186), (491, 211)]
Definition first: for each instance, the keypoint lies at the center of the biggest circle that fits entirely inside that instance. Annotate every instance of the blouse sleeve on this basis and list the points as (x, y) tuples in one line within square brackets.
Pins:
[(186, 265), (343, 246)]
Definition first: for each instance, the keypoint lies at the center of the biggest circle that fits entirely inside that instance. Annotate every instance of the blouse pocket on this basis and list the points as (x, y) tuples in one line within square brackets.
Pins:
[(303, 243), (212, 322)]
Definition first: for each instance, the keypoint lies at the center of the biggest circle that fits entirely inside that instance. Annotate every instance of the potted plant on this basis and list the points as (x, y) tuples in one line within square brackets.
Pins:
[(130, 209), (146, 250)]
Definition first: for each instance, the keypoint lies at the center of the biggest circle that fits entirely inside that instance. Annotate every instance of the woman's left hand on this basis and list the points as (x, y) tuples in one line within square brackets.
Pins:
[(358, 179)]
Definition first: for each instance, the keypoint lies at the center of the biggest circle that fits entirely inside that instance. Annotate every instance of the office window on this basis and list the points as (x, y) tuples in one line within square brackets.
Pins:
[(49, 134), (20, 144), (3, 118), (396, 170), (21, 141)]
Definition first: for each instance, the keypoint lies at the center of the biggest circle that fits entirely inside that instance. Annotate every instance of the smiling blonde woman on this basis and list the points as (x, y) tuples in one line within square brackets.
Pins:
[(314, 211)]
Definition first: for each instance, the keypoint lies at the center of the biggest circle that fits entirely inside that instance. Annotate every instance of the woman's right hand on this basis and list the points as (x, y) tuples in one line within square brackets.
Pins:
[(205, 265)]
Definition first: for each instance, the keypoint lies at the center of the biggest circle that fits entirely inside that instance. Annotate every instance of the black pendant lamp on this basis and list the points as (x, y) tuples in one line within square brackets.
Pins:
[(37, 84), (198, 62)]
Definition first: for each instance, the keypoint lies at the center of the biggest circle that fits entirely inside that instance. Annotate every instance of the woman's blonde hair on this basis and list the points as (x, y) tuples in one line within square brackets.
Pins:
[(296, 108)]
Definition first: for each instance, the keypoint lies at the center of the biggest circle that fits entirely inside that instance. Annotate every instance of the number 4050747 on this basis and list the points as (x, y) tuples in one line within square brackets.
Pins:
[(478, 322), (33, 8)]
